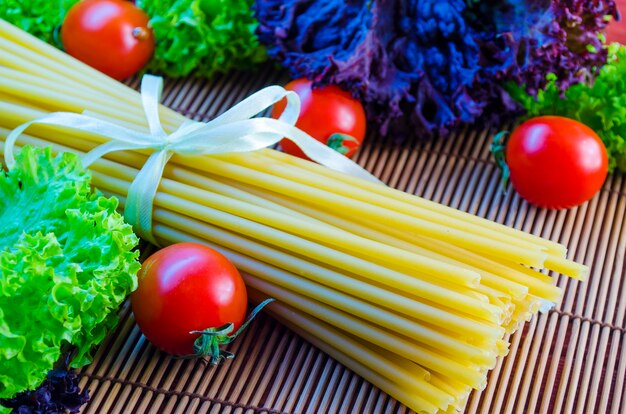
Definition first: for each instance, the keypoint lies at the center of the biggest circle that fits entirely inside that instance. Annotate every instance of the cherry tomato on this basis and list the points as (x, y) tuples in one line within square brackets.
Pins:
[(556, 162), (110, 35), (187, 287), (329, 114)]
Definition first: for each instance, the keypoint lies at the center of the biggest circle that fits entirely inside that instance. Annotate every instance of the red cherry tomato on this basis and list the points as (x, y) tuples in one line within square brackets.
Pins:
[(329, 114), (110, 35), (556, 162), (187, 287)]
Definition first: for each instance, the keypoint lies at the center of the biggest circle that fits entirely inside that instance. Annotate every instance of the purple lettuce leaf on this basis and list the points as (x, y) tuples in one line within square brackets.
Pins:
[(423, 67), (58, 394), (531, 39)]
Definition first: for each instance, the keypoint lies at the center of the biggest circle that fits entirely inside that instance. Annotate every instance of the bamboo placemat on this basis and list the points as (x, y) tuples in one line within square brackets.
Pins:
[(569, 360)]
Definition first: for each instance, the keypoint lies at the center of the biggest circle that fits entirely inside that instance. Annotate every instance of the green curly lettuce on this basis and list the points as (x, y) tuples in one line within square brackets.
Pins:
[(601, 105), (67, 262), (41, 18), (204, 36)]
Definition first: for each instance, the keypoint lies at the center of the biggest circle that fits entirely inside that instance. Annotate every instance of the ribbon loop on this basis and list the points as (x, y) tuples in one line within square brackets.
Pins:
[(233, 131), (151, 90), (258, 102)]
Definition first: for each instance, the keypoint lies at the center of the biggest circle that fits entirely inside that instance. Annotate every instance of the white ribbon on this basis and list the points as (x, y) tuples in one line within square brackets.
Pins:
[(233, 131)]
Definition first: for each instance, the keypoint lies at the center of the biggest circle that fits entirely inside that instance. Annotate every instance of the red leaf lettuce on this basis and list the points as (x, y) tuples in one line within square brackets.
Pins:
[(423, 67)]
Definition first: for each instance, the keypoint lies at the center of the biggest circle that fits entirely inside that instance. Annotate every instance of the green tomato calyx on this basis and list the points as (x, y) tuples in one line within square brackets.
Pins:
[(207, 346), (498, 146), (337, 142)]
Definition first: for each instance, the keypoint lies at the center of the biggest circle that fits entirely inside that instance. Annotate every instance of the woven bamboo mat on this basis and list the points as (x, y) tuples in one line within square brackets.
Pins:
[(570, 360)]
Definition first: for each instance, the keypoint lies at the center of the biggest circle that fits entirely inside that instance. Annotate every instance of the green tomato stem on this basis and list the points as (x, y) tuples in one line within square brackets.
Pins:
[(498, 146), (207, 346), (337, 142)]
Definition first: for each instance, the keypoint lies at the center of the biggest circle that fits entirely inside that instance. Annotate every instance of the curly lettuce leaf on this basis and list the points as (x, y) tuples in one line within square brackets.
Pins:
[(67, 262), (532, 38), (601, 105), (203, 36), (41, 18), (423, 67)]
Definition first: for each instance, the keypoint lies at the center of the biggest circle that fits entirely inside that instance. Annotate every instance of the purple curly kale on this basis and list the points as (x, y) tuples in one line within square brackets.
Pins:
[(423, 67), (58, 394), (536, 37)]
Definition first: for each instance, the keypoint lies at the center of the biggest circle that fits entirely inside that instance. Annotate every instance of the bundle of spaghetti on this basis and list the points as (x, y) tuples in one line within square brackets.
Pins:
[(415, 297)]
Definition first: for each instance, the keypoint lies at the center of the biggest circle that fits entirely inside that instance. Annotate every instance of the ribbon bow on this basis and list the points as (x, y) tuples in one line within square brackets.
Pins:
[(233, 131)]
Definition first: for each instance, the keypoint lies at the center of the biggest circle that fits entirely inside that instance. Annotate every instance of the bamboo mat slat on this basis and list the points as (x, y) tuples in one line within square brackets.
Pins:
[(571, 359)]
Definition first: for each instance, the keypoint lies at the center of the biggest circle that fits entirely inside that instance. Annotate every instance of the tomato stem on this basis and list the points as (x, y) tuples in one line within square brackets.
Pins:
[(497, 148), (338, 142), (207, 346), (140, 33)]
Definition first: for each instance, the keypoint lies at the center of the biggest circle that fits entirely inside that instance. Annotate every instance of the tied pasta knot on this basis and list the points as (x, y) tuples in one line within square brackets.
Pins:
[(233, 131)]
